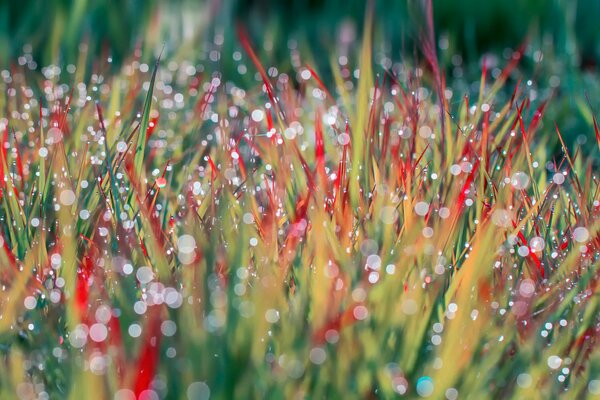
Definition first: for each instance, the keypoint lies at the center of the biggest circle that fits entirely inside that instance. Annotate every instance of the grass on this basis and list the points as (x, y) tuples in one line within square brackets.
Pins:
[(169, 233)]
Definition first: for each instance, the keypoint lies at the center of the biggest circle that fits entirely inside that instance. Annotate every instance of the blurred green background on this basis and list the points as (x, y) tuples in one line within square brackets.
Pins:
[(58, 26)]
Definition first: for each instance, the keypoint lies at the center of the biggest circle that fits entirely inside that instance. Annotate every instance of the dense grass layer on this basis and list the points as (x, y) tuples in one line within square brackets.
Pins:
[(172, 233), (561, 62)]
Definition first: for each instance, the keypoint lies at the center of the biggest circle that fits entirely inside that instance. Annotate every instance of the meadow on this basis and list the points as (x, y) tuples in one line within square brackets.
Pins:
[(341, 225)]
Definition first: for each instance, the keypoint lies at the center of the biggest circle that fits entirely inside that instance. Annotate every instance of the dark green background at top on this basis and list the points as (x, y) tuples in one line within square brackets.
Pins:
[(55, 28)]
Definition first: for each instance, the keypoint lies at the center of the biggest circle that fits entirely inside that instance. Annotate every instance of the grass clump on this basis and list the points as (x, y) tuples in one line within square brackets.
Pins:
[(172, 234)]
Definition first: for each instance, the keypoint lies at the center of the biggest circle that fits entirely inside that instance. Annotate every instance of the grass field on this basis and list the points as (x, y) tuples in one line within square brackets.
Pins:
[(181, 229)]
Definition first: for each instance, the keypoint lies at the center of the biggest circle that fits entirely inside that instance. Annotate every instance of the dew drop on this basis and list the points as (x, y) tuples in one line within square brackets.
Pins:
[(421, 208), (98, 332), (67, 197), (558, 178), (121, 146), (198, 391), (581, 234), (424, 386), (519, 180)]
